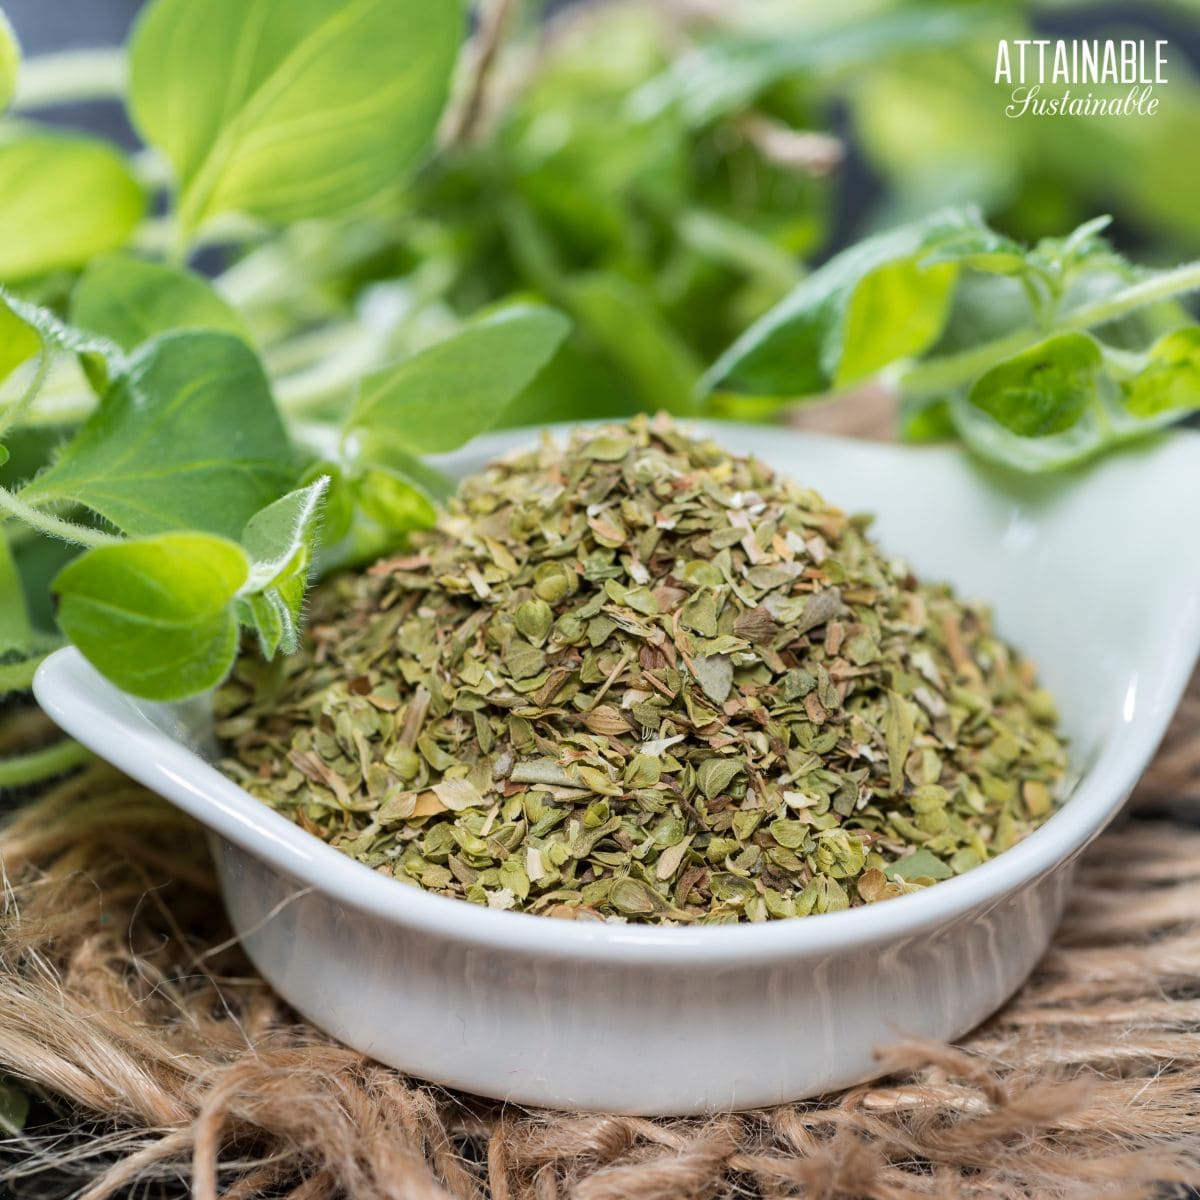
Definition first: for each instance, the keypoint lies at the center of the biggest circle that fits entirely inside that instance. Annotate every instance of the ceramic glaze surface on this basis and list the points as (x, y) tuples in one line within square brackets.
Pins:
[(1086, 574)]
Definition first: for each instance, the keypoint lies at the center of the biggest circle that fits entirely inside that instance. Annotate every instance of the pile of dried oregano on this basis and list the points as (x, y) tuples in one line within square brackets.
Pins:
[(641, 678)]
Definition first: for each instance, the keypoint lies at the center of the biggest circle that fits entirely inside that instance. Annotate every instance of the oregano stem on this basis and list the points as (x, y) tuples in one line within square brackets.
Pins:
[(954, 370), (70, 76), (10, 416), (1164, 286), (42, 764), (68, 531)]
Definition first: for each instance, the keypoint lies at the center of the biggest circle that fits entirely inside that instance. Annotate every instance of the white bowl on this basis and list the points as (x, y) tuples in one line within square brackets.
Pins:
[(1094, 574)]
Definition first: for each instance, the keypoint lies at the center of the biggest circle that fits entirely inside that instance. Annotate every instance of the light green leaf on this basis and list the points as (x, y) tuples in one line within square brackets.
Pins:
[(445, 395), (19, 341), (1043, 390), (187, 438), (280, 542), (10, 61), (155, 616), (428, 480), (271, 617), (290, 109), (881, 300), (395, 503), (129, 300), (1170, 380), (15, 628), (279, 539), (65, 199), (898, 310)]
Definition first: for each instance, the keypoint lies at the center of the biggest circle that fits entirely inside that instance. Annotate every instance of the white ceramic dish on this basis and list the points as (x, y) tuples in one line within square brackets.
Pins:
[(1093, 575)]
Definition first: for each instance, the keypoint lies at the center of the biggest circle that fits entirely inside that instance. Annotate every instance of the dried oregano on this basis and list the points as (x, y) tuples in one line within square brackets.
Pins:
[(642, 678)]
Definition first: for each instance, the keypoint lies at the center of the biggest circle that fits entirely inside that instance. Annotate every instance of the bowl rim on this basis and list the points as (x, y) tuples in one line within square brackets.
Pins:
[(114, 726)]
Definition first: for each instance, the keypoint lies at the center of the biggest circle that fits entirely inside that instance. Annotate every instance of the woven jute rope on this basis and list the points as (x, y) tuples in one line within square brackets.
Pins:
[(128, 1008)]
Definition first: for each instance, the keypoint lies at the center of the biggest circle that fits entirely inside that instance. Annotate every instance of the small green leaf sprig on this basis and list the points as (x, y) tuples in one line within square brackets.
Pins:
[(1036, 358)]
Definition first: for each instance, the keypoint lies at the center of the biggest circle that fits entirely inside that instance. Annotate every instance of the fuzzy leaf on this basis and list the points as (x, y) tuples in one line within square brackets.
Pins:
[(155, 616), (280, 542), (188, 438), (27, 329)]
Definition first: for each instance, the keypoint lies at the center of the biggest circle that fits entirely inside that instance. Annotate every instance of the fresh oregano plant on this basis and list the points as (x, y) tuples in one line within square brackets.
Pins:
[(1037, 358)]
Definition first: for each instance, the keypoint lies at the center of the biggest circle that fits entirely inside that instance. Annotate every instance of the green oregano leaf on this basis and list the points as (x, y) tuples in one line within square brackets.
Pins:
[(1043, 390), (187, 438), (896, 311), (884, 299), (920, 864), (155, 616), (19, 341), (280, 542), (1170, 380), (445, 395), (129, 300), (66, 198), (290, 109), (279, 539), (394, 502)]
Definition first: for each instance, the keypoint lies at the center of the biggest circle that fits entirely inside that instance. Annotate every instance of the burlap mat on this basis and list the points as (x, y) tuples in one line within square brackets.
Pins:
[(167, 1065)]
